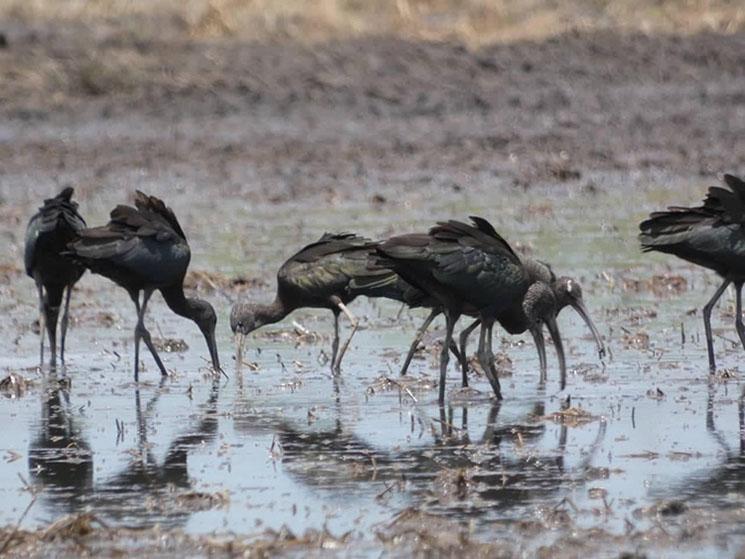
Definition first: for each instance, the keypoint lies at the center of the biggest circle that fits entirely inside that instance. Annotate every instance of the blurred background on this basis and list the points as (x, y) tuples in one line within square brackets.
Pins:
[(474, 22)]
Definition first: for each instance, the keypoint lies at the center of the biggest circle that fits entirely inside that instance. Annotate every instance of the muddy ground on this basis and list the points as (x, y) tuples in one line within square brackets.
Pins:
[(259, 148)]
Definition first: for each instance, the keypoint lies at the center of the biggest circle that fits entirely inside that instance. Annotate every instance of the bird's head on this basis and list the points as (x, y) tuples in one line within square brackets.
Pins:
[(569, 293), (246, 317)]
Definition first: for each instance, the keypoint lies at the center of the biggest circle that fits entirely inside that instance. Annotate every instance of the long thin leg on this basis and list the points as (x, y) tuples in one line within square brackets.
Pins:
[(141, 333), (707, 324), (335, 343), (42, 320), (355, 324), (418, 338), (463, 355), (540, 345), (146, 335), (487, 362), (738, 320), (63, 332), (135, 295), (490, 357), (455, 351), (450, 320)]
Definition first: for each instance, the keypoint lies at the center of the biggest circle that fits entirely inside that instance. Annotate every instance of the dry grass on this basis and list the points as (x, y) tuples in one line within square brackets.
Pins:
[(474, 22)]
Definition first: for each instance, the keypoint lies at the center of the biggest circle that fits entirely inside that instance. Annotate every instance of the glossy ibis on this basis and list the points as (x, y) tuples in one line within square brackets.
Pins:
[(710, 235), (471, 269), (48, 232), (567, 292), (317, 276), (143, 249)]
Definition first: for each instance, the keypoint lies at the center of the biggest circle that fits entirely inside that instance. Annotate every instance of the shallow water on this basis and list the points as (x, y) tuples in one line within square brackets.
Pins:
[(286, 444)]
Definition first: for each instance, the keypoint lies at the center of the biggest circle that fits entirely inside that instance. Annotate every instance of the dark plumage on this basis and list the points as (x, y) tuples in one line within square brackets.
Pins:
[(48, 232), (567, 292), (471, 269), (392, 286), (710, 235), (144, 249), (317, 276)]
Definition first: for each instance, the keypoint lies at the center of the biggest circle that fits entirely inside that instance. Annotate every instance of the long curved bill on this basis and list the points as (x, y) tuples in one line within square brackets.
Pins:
[(582, 311), (212, 345), (540, 344), (241, 339), (553, 330)]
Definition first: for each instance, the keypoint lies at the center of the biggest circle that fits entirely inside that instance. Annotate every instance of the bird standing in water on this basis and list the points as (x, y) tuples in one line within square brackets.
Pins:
[(55, 224), (317, 276), (710, 235), (471, 269), (144, 249)]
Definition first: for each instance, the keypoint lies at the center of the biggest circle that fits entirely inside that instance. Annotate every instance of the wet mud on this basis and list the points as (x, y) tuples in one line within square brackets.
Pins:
[(564, 145)]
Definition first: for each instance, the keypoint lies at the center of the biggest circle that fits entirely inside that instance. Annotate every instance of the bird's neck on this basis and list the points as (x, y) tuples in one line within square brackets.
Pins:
[(177, 301), (272, 312)]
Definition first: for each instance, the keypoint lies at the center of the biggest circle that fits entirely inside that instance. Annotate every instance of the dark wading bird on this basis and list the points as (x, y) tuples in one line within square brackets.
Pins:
[(471, 269), (143, 249), (318, 276), (567, 291), (710, 235), (49, 230)]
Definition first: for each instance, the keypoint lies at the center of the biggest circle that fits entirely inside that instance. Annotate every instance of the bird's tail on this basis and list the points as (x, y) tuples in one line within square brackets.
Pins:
[(668, 228)]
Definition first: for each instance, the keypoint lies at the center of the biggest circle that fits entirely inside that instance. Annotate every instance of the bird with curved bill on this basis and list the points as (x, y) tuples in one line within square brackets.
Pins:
[(710, 235), (470, 269), (144, 249), (317, 276)]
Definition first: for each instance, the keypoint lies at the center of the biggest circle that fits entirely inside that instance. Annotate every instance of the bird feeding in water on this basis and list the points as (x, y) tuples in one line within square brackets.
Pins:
[(49, 230), (710, 235), (567, 292), (317, 276), (471, 269), (144, 249)]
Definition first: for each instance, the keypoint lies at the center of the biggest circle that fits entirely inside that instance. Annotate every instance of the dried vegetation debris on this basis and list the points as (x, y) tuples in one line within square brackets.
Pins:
[(423, 533), (297, 335), (406, 383), (635, 340), (659, 284), (209, 281), (170, 345), (573, 416), (15, 385)]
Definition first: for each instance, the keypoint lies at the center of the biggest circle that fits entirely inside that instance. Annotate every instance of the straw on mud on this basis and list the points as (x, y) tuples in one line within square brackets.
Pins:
[(17, 527), (402, 387)]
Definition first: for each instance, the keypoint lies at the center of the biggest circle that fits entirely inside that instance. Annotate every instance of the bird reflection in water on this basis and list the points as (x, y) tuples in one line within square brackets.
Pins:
[(60, 459), (143, 493), (505, 466), (61, 463)]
